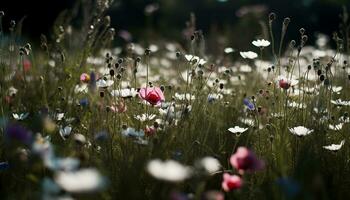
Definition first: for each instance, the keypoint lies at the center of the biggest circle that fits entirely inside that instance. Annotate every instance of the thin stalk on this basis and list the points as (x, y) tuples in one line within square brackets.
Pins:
[(272, 40)]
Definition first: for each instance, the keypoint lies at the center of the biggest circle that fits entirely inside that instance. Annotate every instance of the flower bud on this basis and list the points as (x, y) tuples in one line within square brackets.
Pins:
[(272, 16), (286, 21)]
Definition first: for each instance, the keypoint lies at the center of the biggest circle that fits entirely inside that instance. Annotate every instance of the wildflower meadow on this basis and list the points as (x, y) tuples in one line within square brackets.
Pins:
[(85, 117)]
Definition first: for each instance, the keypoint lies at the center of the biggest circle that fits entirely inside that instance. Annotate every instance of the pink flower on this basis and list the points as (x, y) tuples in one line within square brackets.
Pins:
[(284, 84), (231, 182), (246, 160), (85, 78), (152, 95), (150, 130), (27, 65), (213, 195), (119, 107)]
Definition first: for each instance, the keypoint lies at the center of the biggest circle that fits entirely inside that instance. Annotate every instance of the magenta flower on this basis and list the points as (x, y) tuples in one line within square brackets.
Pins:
[(85, 78), (153, 95), (245, 160), (231, 182)]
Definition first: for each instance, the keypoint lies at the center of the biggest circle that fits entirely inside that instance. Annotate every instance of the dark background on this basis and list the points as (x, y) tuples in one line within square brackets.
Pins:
[(169, 20)]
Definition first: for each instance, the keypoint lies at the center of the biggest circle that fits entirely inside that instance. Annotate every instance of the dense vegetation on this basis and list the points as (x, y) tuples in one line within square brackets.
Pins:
[(83, 119)]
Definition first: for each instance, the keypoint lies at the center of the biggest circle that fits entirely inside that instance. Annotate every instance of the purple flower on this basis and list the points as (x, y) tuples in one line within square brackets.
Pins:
[(18, 132), (92, 81), (245, 160), (249, 104)]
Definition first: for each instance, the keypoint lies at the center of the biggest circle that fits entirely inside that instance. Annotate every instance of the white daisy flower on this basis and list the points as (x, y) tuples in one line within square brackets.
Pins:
[(20, 117), (82, 181), (344, 119), (12, 91), (126, 92), (145, 117), (65, 132), (245, 68), (320, 110), (153, 48), (261, 43), (294, 104), (336, 127), (182, 97), (247, 121), (334, 147), (80, 138), (277, 115), (83, 88), (104, 83), (171, 47), (59, 116), (209, 164), (248, 54), (300, 131), (237, 129), (229, 50), (214, 96), (169, 170), (321, 40), (51, 63), (191, 58), (340, 102), (336, 89)]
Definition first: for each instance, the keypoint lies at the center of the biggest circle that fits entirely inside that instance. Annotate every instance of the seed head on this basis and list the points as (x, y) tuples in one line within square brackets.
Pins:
[(292, 44), (178, 54), (111, 72), (272, 16), (286, 21), (147, 52), (12, 23), (304, 38), (322, 77), (193, 37)]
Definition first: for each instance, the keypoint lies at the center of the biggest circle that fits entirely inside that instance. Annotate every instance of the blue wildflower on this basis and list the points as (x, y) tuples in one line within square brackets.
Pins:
[(249, 104), (84, 102)]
